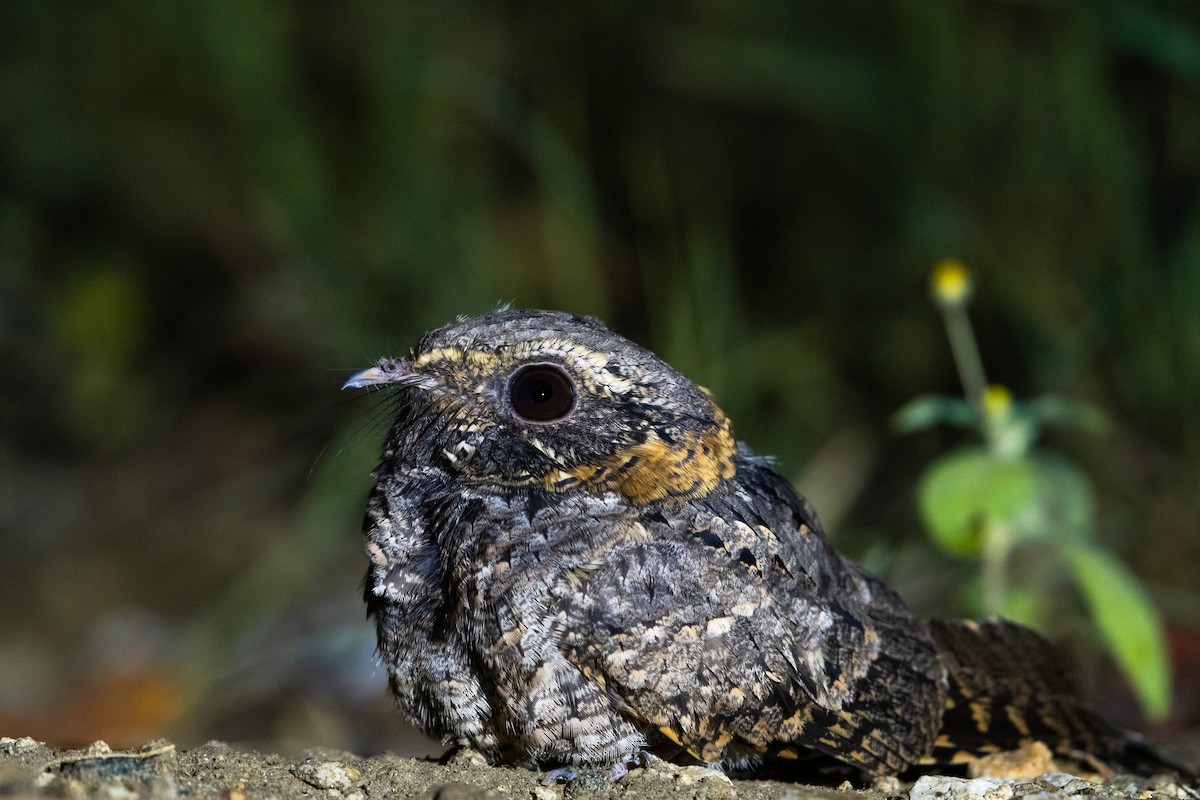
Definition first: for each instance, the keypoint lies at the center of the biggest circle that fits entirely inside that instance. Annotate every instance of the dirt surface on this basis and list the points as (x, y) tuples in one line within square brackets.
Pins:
[(160, 770)]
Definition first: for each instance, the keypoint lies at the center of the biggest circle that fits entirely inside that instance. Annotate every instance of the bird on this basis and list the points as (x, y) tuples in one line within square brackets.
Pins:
[(574, 563)]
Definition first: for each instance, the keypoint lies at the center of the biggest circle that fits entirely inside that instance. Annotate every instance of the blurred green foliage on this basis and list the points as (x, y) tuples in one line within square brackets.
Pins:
[(984, 502), (212, 212)]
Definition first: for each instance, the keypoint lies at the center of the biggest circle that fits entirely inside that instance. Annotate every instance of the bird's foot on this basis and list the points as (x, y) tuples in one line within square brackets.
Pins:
[(560, 775), (616, 771), (621, 768)]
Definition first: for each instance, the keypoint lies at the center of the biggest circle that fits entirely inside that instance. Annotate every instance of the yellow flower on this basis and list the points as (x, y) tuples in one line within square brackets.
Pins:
[(951, 282), (997, 402)]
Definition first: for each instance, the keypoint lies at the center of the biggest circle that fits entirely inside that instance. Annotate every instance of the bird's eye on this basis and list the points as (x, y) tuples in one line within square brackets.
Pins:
[(541, 392)]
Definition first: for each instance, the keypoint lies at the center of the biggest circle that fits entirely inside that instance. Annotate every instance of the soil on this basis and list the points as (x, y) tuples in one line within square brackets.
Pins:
[(217, 770)]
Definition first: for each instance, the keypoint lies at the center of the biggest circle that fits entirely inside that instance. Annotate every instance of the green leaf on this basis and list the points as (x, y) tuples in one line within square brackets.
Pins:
[(962, 491), (1064, 510), (1129, 623), (1058, 411), (929, 410)]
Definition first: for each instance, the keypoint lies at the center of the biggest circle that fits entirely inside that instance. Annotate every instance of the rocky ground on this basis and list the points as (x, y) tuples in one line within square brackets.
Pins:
[(160, 770)]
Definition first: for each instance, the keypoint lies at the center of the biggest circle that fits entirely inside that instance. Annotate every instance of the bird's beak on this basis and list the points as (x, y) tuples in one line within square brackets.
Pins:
[(388, 370), (368, 377)]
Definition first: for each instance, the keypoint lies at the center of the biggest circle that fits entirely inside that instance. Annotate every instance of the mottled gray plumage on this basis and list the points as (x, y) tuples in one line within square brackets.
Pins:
[(577, 589)]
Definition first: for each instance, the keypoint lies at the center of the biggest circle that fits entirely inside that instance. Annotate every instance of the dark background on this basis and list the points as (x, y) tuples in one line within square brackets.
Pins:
[(212, 211)]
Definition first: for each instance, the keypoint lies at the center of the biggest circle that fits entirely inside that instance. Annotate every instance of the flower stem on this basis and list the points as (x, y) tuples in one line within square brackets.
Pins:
[(966, 352), (997, 543)]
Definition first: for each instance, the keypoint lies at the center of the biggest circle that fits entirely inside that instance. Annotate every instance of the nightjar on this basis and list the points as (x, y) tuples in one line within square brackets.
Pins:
[(574, 562)]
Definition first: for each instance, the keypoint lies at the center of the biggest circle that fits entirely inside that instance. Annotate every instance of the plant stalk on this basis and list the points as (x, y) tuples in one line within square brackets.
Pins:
[(997, 544), (966, 352)]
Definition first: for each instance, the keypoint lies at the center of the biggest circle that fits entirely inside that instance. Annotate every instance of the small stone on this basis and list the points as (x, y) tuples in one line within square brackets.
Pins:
[(941, 787), (690, 776), (329, 775), (12, 746), (468, 757), (885, 784), (1067, 783), (98, 748)]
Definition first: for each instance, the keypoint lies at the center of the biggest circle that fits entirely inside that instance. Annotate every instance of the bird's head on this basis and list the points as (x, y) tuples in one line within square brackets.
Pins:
[(556, 401)]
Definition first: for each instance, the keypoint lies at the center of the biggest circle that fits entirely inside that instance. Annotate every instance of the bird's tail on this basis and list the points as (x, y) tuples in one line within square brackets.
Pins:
[(1008, 688)]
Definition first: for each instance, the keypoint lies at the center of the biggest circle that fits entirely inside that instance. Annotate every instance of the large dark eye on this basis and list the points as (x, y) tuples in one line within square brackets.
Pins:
[(541, 392)]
